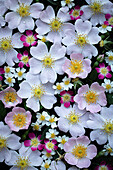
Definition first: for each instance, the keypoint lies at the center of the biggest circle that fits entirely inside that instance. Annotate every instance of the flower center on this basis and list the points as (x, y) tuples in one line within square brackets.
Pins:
[(91, 97), (51, 120), (42, 118), (20, 73), (104, 71), (108, 127), (67, 1), (19, 120), (9, 80), (34, 142), (43, 39), (79, 151), (25, 59), (108, 86), (81, 40), (38, 91), (30, 39), (58, 87), (7, 69), (2, 143), (53, 135), (110, 58), (66, 82), (50, 145), (5, 44), (110, 21), (73, 118), (22, 163), (109, 150), (48, 61), (10, 97), (76, 66), (75, 13), (66, 97), (36, 127), (96, 7), (63, 141), (46, 165), (104, 26), (55, 25), (23, 10)]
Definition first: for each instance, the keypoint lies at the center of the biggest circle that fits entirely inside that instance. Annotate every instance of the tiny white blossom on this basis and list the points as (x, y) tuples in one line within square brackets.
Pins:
[(47, 155), (9, 70), (62, 140), (42, 117), (36, 126), (108, 150), (52, 121), (108, 85), (20, 73), (52, 134), (46, 165), (58, 88), (66, 83), (9, 80), (68, 3), (104, 28), (109, 59)]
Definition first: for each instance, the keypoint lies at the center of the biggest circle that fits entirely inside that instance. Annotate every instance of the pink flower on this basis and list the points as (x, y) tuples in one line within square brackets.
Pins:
[(103, 165), (1, 78), (107, 16), (79, 152), (50, 145), (77, 66), (34, 143), (104, 71), (66, 98), (2, 71), (9, 97), (24, 59), (75, 13), (91, 98), (18, 119), (29, 39)]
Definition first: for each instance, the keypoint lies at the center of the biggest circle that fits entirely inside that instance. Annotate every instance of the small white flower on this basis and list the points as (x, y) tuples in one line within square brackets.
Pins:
[(36, 126), (58, 87), (9, 80), (104, 28), (46, 165), (108, 150), (109, 59), (68, 3), (41, 38), (66, 83), (52, 121), (52, 134), (62, 140), (47, 155), (108, 85), (42, 117), (20, 73), (9, 70)]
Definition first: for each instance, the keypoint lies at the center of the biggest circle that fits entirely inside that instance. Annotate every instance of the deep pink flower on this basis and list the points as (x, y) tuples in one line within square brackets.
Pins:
[(18, 119), (24, 59), (91, 98), (104, 71), (103, 165), (1, 78), (34, 142), (9, 97), (29, 39), (66, 98), (2, 71), (107, 16), (79, 152), (75, 13), (50, 145)]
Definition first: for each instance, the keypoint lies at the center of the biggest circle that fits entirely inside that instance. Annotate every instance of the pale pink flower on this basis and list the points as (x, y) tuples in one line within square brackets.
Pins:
[(91, 98), (18, 119), (77, 66), (79, 152), (9, 97)]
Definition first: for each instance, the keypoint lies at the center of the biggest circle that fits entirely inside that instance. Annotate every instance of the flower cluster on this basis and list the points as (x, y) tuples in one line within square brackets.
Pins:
[(56, 84)]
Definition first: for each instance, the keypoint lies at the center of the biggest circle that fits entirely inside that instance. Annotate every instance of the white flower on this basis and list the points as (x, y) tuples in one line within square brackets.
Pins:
[(69, 3), (108, 150), (109, 59), (47, 155), (7, 44), (82, 38), (21, 15), (48, 64), (102, 125), (46, 165), (25, 159), (42, 117), (62, 140), (104, 28), (20, 73), (96, 10), (9, 80), (52, 134), (41, 38), (108, 85), (58, 88), (36, 93), (7, 140), (66, 83), (36, 126), (9, 70), (52, 121)]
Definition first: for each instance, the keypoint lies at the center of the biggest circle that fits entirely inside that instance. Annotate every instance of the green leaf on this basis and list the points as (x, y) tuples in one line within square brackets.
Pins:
[(109, 98), (2, 111)]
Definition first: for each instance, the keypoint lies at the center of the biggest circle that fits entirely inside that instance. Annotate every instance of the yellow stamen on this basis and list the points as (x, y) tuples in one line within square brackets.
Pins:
[(38, 91), (50, 145), (73, 118), (63, 141), (96, 7), (66, 97), (23, 10), (75, 13), (19, 120), (51, 120), (20, 74), (76, 66), (5, 44), (7, 69), (91, 97), (34, 142), (53, 135), (46, 165), (110, 58), (48, 61), (56, 25), (58, 87), (104, 26), (110, 21), (25, 59), (66, 82), (108, 86), (9, 80), (79, 151), (30, 39), (81, 40), (10, 97), (108, 127), (104, 70), (3, 143), (67, 2), (22, 163)]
